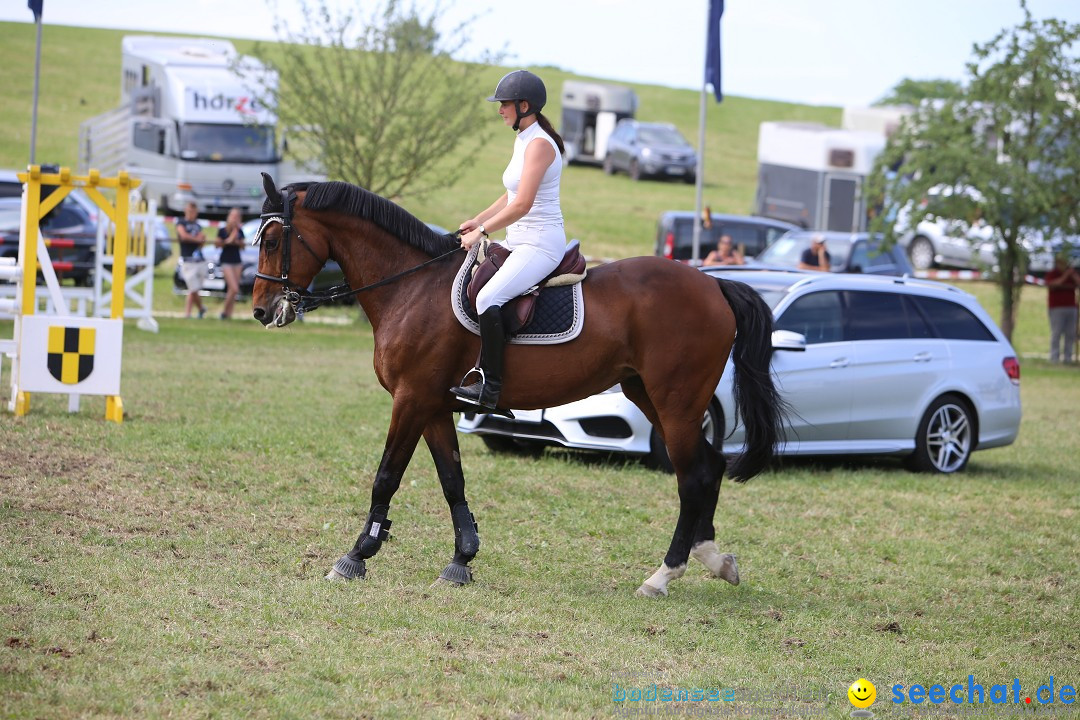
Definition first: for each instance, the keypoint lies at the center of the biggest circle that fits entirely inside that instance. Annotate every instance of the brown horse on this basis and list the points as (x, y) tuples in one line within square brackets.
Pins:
[(661, 329)]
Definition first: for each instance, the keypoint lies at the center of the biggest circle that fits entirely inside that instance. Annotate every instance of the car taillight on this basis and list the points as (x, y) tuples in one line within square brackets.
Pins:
[(669, 245), (1012, 369)]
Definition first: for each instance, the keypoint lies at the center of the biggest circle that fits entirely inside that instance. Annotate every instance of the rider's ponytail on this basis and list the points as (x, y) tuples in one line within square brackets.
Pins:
[(545, 125)]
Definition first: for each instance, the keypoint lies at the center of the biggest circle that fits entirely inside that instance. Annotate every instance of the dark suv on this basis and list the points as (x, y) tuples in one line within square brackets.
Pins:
[(675, 234)]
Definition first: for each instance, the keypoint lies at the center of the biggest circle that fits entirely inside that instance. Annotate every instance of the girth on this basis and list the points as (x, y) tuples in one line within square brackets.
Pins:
[(518, 312)]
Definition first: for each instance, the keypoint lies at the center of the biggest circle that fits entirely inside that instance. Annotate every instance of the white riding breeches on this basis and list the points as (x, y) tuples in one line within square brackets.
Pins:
[(527, 265)]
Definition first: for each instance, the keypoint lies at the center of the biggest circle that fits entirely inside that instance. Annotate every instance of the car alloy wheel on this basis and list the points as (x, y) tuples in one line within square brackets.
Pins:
[(945, 437), (921, 253)]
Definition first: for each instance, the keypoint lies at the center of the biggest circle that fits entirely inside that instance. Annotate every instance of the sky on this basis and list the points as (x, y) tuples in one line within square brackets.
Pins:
[(828, 52)]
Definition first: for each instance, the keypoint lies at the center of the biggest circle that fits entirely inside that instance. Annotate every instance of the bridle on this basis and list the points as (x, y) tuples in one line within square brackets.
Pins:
[(300, 298)]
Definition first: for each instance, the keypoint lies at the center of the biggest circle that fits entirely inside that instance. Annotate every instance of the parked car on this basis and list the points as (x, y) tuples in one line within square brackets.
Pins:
[(675, 233), (643, 149), (69, 231), (940, 240), (869, 365), (849, 253)]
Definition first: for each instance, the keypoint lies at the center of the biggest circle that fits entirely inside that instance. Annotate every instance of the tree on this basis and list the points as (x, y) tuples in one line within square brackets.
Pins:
[(913, 92), (1008, 148), (381, 101)]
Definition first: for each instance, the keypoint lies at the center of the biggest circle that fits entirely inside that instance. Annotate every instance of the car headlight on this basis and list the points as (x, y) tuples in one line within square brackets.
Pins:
[(646, 152)]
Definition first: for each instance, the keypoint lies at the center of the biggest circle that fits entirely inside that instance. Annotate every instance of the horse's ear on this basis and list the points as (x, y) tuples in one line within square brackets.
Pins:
[(271, 189)]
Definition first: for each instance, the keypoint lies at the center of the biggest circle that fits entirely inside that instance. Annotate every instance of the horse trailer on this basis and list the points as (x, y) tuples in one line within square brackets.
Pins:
[(590, 112), (812, 176)]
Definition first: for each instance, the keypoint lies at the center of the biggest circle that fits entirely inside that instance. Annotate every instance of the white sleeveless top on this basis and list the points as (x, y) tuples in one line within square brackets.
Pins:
[(546, 209)]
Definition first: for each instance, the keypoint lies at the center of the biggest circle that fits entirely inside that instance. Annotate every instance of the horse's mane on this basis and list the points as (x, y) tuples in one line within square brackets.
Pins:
[(353, 200)]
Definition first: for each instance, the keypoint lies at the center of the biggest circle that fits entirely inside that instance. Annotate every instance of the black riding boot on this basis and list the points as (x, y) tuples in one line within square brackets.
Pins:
[(485, 391)]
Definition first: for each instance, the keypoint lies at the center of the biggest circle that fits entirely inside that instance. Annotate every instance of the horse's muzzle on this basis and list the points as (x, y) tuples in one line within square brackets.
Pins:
[(281, 315)]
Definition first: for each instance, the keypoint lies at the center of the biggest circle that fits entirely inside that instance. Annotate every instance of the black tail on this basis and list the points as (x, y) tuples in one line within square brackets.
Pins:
[(756, 399)]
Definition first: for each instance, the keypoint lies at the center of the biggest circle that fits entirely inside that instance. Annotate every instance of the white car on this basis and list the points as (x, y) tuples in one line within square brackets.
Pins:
[(939, 240), (870, 365)]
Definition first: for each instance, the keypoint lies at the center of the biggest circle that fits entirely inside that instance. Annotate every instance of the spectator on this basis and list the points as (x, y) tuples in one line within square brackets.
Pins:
[(192, 239), (816, 257), (1061, 284), (725, 253), (230, 239)]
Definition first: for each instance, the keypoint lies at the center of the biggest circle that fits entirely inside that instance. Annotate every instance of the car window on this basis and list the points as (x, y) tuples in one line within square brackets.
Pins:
[(771, 235), (744, 235), (658, 135), (877, 316), (951, 320), (63, 217), (818, 316)]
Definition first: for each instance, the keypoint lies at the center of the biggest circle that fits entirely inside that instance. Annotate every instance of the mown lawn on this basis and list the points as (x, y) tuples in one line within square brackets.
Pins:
[(173, 565)]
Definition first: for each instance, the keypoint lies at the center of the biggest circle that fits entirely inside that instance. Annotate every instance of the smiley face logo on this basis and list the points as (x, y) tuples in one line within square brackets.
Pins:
[(862, 693)]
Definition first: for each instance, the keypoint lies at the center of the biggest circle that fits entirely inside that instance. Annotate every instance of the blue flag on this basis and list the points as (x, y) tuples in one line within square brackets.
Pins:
[(712, 48), (35, 5)]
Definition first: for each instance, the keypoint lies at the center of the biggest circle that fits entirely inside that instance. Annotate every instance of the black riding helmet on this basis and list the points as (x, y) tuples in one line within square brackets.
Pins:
[(521, 85)]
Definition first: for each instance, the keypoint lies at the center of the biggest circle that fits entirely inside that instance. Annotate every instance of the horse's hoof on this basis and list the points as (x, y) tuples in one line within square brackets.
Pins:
[(346, 569), (455, 574), (729, 569), (647, 590), (720, 565)]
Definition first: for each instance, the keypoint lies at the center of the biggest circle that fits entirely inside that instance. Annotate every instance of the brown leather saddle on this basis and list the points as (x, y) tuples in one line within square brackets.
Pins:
[(518, 312)]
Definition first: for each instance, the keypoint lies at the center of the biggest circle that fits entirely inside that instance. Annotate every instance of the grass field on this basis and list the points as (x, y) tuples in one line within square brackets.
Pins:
[(171, 566)]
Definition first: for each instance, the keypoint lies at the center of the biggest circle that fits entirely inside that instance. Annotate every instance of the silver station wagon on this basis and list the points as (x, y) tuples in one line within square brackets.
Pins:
[(870, 365)]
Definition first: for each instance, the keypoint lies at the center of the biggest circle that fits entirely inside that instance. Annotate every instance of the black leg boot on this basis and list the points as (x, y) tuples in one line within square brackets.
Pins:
[(485, 391)]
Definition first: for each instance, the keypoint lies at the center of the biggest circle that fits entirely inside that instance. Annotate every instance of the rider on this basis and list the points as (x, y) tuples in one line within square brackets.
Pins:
[(529, 211)]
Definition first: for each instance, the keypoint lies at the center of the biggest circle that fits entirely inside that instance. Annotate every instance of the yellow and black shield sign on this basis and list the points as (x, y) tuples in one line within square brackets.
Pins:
[(71, 353)]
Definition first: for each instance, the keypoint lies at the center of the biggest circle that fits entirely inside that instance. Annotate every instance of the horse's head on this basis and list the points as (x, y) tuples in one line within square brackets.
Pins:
[(285, 270)]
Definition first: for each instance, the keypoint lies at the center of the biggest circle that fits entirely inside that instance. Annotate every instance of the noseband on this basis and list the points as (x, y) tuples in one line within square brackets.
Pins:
[(300, 298)]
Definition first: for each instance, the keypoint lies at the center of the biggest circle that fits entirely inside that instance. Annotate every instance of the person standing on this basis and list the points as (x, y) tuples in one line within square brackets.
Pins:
[(192, 238), (1061, 284), (530, 213), (230, 239)]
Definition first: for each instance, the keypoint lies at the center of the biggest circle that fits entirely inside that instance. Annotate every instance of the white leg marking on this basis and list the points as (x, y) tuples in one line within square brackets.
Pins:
[(657, 584), (721, 565)]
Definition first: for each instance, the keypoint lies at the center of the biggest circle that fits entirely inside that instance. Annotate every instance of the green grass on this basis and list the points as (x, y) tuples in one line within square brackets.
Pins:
[(172, 565)]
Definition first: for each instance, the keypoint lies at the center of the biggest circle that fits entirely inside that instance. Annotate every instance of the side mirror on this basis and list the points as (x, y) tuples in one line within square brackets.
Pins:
[(788, 340)]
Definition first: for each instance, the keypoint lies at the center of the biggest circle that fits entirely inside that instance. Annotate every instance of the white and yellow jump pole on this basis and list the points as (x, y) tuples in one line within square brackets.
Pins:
[(63, 354)]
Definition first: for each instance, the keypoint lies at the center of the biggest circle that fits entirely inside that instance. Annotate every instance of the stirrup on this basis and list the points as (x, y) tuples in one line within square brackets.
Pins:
[(475, 401)]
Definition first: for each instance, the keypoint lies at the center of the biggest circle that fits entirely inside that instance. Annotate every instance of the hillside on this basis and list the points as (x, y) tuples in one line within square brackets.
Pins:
[(613, 216)]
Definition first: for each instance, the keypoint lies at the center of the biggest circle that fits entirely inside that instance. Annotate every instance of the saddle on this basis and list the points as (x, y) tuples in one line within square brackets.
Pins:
[(518, 313)]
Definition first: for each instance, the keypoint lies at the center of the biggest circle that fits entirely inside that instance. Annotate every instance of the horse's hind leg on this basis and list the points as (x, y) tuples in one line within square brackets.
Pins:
[(441, 438), (703, 549), (698, 467)]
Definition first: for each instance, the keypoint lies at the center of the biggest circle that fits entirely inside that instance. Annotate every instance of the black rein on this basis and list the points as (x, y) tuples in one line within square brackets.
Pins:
[(300, 298)]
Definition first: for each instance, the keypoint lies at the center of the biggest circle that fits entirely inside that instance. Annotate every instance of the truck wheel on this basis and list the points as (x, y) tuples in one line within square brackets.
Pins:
[(945, 438), (921, 253)]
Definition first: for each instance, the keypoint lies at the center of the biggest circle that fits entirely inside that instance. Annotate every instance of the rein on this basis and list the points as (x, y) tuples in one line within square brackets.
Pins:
[(300, 298)]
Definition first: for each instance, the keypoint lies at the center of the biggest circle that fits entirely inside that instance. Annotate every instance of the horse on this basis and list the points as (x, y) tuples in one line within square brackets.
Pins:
[(660, 329)]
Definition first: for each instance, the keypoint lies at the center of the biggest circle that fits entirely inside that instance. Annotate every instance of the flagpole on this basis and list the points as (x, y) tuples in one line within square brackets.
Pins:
[(695, 257), (37, 79)]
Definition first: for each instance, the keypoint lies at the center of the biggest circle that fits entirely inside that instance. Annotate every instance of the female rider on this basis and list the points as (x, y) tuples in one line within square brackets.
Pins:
[(529, 211)]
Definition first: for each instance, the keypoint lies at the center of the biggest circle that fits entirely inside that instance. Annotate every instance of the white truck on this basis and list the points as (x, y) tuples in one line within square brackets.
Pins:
[(590, 112), (189, 126)]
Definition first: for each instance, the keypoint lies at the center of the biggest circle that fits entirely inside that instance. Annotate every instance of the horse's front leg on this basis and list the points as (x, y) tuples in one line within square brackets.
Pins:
[(441, 438), (401, 439)]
